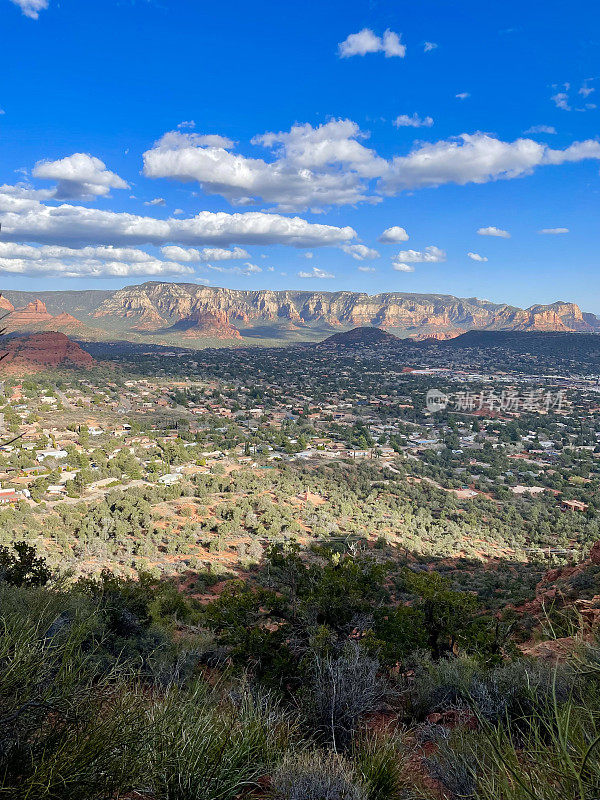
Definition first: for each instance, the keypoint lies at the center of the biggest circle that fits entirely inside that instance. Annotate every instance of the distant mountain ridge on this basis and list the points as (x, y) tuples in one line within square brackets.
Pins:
[(185, 312)]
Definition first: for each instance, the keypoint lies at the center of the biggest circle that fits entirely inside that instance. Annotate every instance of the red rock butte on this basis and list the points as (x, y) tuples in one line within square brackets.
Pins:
[(43, 351)]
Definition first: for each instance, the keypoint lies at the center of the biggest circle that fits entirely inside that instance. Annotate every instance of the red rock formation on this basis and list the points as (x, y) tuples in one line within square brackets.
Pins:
[(33, 314), (153, 306), (211, 324), (5, 304), (43, 350)]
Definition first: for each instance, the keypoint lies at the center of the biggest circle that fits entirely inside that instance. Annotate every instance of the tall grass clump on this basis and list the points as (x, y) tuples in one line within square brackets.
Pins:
[(206, 747), (67, 731)]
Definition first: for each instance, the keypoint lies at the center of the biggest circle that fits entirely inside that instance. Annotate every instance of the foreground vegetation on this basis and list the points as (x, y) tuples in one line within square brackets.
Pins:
[(327, 676)]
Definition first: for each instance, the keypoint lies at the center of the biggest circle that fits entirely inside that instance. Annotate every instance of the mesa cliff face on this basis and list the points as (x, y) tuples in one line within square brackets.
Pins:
[(188, 311), (154, 306)]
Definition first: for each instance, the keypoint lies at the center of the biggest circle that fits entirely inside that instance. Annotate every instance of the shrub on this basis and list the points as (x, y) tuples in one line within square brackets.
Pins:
[(316, 775), (512, 690), (22, 566), (342, 690), (453, 765)]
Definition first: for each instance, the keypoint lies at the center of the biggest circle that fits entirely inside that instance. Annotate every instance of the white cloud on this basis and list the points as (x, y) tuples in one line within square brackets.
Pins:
[(328, 165), (247, 270), (492, 231), (31, 8), (359, 251), (366, 269), (214, 140), (478, 158), (561, 100), (87, 261), (541, 129), (366, 41), (313, 167), (429, 46), (392, 45), (309, 255), (158, 201), (477, 257), (187, 124), (80, 176), (316, 273), (404, 121), (175, 253), (25, 218), (2, 112), (393, 235), (554, 230), (400, 267), (431, 255), (462, 95)]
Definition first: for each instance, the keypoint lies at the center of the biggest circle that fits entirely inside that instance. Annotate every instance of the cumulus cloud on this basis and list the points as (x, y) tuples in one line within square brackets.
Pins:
[(393, 235), (86, 261), (214, 140), (554, 231), (366, 269), (315, 272), (359, 251), (478, 158), (366, 41), (431, 255), (158, 201), (399, 266), (414, 121), (190, 254), (477, 257), (31, 8), (327, 165), (313, 167), (80, 176), (187, 124), (492, 231), (25, 218)]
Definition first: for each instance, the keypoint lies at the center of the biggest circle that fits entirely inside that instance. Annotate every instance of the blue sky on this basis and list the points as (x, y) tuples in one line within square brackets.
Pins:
[(270, 145)]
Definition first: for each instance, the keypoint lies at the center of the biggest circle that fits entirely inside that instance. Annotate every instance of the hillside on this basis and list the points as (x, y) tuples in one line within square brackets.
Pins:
[(359, 337), (42, 351), (175, 312)]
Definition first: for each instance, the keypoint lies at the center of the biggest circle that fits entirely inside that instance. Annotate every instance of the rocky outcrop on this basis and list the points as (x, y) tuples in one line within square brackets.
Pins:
[(222, 313), (43, 351), (156, 306), (35, 317), (34, 313), (5, 304), (213, 324)]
